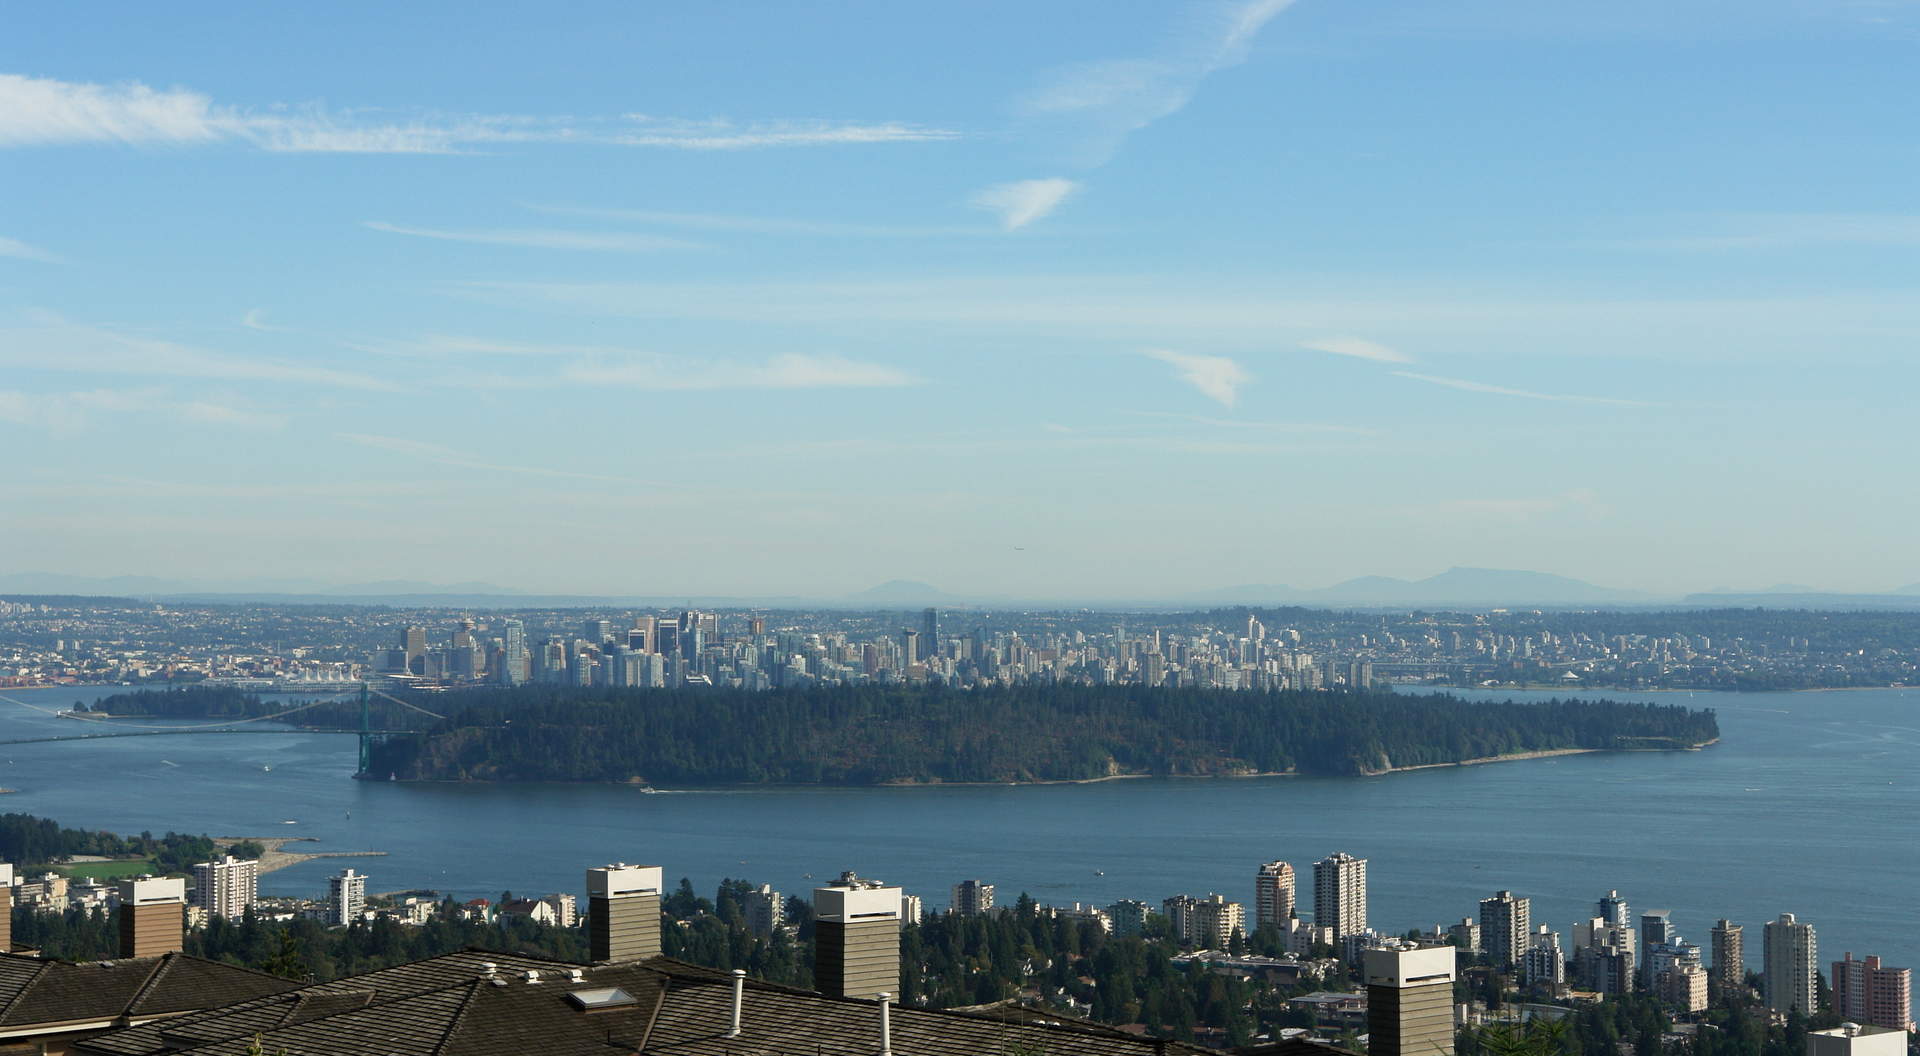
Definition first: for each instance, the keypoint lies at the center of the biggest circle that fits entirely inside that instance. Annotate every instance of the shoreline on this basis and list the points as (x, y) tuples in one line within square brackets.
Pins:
[(1545, 753), (275, 859)]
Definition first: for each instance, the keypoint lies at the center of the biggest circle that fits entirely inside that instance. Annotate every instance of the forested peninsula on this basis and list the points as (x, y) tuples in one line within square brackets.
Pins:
[(876, 735)]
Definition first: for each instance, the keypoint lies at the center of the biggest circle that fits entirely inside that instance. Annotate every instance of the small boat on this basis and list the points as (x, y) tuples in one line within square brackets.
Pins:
[(289, 821), (266, 769)]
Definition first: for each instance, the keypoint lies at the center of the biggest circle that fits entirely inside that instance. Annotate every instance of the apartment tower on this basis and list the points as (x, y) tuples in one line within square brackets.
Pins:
[(623, 912), (1505, 925), (1410, 1000), (1273, 895), (971, 898), (1791, 958), (1340, 894), (1729, 973), (1865, 992), (226, 886)]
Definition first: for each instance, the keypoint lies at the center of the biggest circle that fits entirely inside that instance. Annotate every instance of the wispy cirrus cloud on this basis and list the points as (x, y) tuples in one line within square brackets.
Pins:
[(1021, 202), (1358, 348), (787, 371), (1217, 377), (38, 111), (13, 247), (1502, 390), (450, 456), (1782, 231), (756, 224), (52, 344), (65, 412), (660, 371), (542, 238), (1103, 102)]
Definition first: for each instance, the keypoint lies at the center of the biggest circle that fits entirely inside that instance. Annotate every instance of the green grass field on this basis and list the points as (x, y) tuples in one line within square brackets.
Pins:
[(107, 870)]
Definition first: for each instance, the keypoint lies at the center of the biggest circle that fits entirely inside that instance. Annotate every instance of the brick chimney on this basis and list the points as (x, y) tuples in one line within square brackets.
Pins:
[(153, 915), (623, 912), (856, 938)]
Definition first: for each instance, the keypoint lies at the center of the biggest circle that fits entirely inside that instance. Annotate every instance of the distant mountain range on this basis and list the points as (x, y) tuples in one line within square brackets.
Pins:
[(1456, 587)]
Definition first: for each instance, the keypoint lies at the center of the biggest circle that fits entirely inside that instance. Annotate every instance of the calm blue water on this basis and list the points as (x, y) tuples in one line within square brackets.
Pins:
[(1810, 805)]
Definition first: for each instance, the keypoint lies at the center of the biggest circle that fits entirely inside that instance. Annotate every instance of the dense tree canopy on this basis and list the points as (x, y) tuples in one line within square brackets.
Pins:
[(868, 735)]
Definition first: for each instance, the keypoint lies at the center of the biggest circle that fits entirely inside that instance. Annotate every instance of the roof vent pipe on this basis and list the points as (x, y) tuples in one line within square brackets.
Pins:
[(739, 993), (886, 1024)]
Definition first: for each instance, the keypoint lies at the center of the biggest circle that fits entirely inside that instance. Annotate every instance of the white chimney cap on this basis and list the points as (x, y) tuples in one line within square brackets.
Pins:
[(150, 890), (614, 881), (848, 905)]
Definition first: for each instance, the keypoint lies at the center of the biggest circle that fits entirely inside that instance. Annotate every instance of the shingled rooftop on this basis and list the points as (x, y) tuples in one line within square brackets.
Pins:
[(50, 1000), (477, 1003)]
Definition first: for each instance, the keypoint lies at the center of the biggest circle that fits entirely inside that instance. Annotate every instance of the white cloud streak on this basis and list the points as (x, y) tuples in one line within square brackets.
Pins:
[(1785, 231), (13, 247), (542, 238), (757, 225), (1358, 348), (1217, 377), (1110, 99), (1502, 390), (680, 373), (447, 456), (45, 112), (66, 412), (1021, 202), (59, 346)]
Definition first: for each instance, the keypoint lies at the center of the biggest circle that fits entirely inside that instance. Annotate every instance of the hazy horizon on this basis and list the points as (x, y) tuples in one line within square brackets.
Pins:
[(1082, 300)]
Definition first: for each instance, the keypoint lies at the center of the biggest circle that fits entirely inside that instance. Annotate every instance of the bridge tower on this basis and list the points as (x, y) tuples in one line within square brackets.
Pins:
[(366, 731)]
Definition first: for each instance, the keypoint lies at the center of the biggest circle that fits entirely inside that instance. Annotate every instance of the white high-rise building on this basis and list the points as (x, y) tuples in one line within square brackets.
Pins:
[(1273, 895), (1792, 966), (1506, 922), (226, 886), (1340, 894), (346, 897)]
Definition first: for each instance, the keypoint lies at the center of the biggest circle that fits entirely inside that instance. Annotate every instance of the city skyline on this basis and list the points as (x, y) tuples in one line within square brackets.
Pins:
[(1613, 292)]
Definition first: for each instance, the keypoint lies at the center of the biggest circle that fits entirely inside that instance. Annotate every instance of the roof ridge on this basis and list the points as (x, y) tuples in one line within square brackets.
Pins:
[(459, 1017), (38, 970), (146, 985)]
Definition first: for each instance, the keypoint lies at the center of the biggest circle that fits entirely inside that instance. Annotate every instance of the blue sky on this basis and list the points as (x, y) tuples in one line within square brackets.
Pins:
[(1104, 299)]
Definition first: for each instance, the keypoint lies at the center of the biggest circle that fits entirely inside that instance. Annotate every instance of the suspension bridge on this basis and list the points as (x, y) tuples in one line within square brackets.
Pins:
[(117, 728)]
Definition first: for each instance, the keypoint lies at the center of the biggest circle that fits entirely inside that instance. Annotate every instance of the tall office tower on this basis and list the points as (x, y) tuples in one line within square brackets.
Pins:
[(647, 629), (971, 898), (1410, 1000), (1613, 909), (1273, 895), (346, 897), (1790, 953), (1656, 931), (513, 667), (909, 647), (856, 938), (1865, 992), (1340, 894), (596, 632), (1729, 975), (1544, 963), (1504, 924), (623, 912), (226, 886), (765, 911), (413, 641), (930, 631)]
